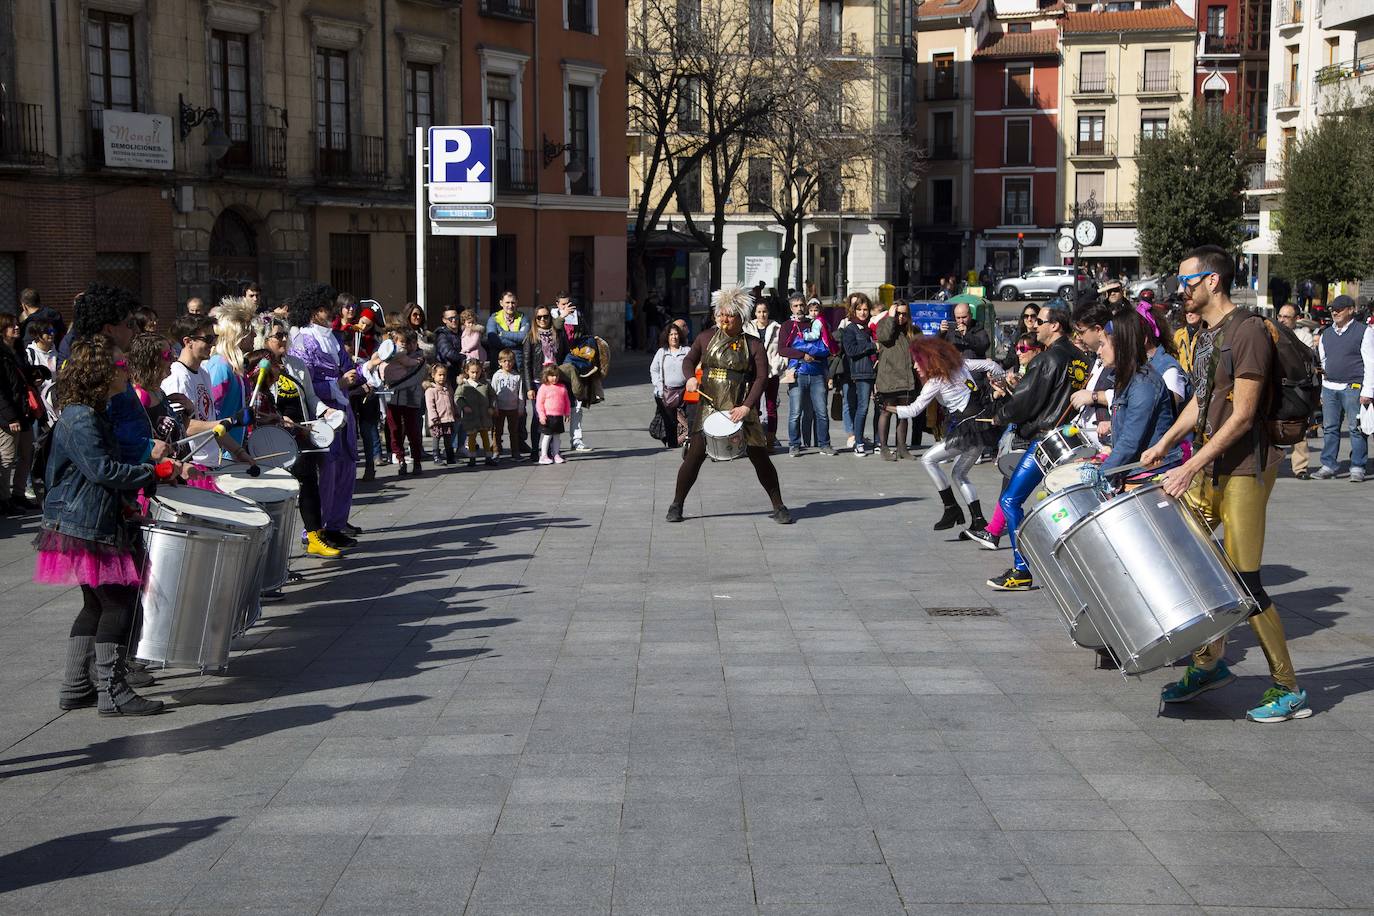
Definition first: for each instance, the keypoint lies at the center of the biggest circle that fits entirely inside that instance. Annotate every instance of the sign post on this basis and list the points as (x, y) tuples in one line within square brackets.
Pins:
[(461, 188)]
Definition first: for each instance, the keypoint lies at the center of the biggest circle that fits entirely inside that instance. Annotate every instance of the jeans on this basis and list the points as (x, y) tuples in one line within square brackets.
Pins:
[(858, 395), (372, 441), (1024, 479), (1338, 406), (811, 387), (847, 411)]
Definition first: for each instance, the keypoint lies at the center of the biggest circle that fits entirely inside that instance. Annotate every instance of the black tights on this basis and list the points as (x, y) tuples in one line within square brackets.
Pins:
[(885, 422), (107, 612), (306, 470), (695, 457)]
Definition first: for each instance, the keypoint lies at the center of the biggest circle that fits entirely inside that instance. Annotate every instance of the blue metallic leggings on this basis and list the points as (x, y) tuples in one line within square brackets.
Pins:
[(1024, 479)]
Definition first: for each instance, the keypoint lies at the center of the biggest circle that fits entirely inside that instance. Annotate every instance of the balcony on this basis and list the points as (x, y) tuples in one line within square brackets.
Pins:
[(515, 10), (1115, 215), (942, 148), (21, 133), (1143, 141), (584, 186), (256, 151), (1018, 99), (1345, 85), (1214, 45), (348, 158), (942, 87), (1015, 158), (887, 203), (1288, 14), (887, 118), (840, 45), (1094, 84), (1158, 84), (944, 216), (1093, 149), (1285, 97), (889, 43), (515, 170), (93, 156)]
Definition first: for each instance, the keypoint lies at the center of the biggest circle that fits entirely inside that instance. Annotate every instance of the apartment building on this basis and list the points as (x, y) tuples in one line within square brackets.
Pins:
[(947, 37), (1016, 142), (1126, 76), (186, 149), (854, 229)]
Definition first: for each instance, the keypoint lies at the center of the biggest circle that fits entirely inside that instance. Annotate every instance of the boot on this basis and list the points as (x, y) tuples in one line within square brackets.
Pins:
[(115, 696), (448, 451), (316, 547), (415, 469), (135, 672), (902, 451), (370, 472), (953, 514), (975, 517), (78, 690), (401, 470)]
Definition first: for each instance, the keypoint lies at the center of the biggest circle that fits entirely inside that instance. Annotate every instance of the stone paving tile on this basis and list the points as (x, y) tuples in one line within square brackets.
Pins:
[(506, 703)]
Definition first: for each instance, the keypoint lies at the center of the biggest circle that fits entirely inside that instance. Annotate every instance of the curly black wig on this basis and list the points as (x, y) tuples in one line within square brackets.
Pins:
[(305, 303), (100, 305)]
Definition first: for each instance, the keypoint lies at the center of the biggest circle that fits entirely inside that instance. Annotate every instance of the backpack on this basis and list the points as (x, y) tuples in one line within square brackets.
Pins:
[(1296, 394)]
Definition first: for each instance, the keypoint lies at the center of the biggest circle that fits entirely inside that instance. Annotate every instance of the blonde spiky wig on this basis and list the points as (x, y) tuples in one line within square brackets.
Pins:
[(233, 319), (734, 298)]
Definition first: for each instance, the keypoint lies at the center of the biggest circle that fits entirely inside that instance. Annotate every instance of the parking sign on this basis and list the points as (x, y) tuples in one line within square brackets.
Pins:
[(460, 165)]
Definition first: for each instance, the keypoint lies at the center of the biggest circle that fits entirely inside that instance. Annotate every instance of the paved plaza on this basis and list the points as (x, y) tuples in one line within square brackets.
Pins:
[(529, 694)]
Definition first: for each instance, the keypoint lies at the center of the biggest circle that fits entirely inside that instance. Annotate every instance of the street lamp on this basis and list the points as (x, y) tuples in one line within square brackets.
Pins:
[(217, 142), (799, 176), (912, 181), (576, 166)]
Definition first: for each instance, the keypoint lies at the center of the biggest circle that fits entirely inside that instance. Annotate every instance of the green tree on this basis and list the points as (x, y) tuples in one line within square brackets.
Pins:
[(1325, 222), (1190, 186)]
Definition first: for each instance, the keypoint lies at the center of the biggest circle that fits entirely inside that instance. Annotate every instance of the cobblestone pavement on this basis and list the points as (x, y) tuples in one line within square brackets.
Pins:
[(529, 694)]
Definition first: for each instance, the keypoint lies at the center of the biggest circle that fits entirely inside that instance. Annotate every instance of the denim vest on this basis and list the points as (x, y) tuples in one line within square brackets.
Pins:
[(87, 483)]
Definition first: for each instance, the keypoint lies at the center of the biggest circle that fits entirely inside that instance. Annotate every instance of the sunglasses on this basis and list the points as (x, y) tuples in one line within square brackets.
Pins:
[(205, 338), (1202, 273), (450, 317), (542, 317), (1033, 319), (122, 364), (1024, 349)]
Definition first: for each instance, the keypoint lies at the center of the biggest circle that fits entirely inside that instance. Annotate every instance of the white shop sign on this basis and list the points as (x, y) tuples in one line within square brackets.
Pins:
[(134, 140)]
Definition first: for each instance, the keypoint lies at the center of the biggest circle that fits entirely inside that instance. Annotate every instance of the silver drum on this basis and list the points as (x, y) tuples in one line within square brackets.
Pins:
[(1037, 538), (190, 573), (1066, 443), (1157, 585), (197, 508), (276, 492)]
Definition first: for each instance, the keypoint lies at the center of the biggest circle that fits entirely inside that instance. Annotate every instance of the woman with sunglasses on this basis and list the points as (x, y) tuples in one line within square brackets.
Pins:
[(226, 365), (545, 345), (1028, 323)]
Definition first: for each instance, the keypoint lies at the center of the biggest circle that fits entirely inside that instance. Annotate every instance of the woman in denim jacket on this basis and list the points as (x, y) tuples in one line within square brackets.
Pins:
[(1143, 408), (86, 538)]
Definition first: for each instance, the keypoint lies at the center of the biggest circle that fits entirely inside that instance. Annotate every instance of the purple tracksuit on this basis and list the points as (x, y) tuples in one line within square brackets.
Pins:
[(337, 466)]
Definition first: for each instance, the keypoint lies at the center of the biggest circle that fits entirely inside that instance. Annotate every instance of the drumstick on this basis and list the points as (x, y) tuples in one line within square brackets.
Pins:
[(262, 376)]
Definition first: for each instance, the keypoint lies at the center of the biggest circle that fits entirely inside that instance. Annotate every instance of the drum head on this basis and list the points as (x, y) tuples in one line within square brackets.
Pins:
[(218, 508), (335, 419), (1065, 475), (273, 485), (386, 350), (321, 434), (720, 425), (275, 442)]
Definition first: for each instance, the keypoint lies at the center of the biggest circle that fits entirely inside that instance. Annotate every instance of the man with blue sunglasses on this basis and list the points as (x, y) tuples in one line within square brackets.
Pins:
[(1232, 470)]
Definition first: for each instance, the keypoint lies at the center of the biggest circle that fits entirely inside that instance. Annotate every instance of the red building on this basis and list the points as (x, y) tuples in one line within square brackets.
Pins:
[(1016, 147), (1232, 72)]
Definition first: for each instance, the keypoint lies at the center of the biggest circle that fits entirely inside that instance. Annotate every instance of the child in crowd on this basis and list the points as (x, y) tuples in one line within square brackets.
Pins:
[(472, 336), (817, 329), (403, 374), (553, 406), (509, 388), (439, 410), (475, 396)]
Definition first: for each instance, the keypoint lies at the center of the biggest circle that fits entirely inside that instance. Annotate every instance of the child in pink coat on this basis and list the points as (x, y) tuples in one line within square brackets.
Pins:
[(553, 405), (472, 336)]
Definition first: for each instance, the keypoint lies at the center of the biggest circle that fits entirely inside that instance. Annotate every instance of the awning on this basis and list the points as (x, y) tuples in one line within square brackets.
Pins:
[(1264, 243), (670, 238)]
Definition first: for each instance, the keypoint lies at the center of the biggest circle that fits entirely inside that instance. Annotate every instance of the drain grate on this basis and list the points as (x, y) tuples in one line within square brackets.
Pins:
[(962, 612)]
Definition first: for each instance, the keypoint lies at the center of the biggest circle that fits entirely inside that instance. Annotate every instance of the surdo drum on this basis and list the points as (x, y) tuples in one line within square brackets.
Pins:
[(1038, 536), (276, 491)]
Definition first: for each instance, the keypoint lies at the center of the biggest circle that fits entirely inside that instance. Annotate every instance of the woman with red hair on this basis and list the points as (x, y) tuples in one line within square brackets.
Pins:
[(946, 380)]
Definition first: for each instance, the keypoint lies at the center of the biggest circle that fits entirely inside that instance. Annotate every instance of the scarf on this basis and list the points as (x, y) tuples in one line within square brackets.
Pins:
[(546, 343)]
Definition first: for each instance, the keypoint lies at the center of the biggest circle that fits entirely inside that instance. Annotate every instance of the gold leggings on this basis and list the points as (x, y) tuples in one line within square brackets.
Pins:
[(1238, 504)]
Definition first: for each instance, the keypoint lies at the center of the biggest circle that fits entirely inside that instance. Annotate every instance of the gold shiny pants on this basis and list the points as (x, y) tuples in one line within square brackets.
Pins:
[(1238, 504)]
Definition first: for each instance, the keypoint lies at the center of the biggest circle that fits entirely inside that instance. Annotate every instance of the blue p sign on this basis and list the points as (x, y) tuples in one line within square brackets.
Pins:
[(460, 155)]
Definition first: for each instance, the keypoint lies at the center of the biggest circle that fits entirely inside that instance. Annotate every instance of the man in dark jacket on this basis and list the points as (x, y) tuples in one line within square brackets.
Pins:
[(448, 344), (969, 339), (1037, 405), (32, 311)]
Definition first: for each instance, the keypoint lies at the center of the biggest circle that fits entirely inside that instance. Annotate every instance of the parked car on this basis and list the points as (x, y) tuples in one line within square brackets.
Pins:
[(1155, 284), (1045, 281)]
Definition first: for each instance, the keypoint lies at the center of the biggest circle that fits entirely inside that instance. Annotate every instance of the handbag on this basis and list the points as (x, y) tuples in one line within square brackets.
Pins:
[(656, 429), (672, 397), (839, 370)]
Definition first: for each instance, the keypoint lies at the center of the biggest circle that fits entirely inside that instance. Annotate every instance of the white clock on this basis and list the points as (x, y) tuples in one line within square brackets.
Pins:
[(1064, 244), (1086, 233)]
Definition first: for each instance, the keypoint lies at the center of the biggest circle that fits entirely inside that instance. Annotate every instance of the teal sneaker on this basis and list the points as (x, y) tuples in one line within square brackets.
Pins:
[(1196, 680), (1279, 704)]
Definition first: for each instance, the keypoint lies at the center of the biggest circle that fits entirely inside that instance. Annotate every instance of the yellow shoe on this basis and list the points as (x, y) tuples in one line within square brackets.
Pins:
[(315, 546)]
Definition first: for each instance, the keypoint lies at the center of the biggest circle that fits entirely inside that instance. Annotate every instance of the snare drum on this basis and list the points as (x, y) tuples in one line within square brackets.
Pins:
[(724, 437), (277, 492), (272, 447), (1065, 475), (1038, 536), (1157, 585), (1060, 445)]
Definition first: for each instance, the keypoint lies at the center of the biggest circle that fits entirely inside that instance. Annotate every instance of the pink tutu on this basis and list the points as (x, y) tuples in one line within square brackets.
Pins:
[(65, 560)]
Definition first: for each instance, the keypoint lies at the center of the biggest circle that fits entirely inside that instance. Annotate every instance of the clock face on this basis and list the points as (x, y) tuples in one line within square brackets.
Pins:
[(1065, 244), (1085, 232)]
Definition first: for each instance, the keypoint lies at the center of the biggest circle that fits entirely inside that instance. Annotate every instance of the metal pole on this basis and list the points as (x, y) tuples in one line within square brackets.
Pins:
[(421, 221), (839, 248)]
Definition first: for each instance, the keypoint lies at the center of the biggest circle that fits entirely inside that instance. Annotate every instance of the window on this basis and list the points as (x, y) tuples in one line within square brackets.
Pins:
[(1156, 77), (831, 25), (121, 269), (829, 189), (942, 202), (1089, 188), (501, 269), (688, 16), (1016, 202), (1092, 71), (1018, 86), (1333, 51), (1017, 149), (331, 112), (350, 262), (942, 144), (1154, 123), (1018, 27), (581, 15), (1092, 133), (580, 268), (514, 167), (1216, 20), (1290, 140), (760, 26), (760, 184), (110, 55), (689, 187), (887, 111), (1213, 102), (689, 104), (1255, 101), (580, 136), (942, 85), (419, 99), (229, 93)]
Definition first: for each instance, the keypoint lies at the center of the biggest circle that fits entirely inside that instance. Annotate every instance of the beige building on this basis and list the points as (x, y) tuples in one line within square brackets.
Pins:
[(1125, 77)]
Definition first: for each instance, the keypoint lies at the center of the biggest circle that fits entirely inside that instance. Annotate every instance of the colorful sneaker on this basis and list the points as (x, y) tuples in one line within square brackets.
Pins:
[(1013, 580), (1196, 680), (1279, 704), (982, 537)]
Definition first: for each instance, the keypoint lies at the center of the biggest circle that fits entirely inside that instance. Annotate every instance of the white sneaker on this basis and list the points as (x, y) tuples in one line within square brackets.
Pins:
[(1357, 475), (579, 447), (1323, 473)]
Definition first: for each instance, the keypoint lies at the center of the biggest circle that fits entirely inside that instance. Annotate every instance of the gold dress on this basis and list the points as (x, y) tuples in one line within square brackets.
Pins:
[(725, 375)]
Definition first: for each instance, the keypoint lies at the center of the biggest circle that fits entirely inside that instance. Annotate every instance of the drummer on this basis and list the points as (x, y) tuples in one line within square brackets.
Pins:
[(1142, 405), (190, 389), (1093, 402), (734, 374)]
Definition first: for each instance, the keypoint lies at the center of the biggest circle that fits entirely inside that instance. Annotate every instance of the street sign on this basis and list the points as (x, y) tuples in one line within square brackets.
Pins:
[(461, 212), (461, 169)]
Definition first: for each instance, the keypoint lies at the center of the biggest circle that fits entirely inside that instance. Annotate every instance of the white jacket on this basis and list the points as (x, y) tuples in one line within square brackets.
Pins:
[(777, 365)]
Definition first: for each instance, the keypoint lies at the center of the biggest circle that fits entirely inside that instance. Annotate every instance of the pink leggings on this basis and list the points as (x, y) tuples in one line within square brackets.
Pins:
[(997, 525)]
